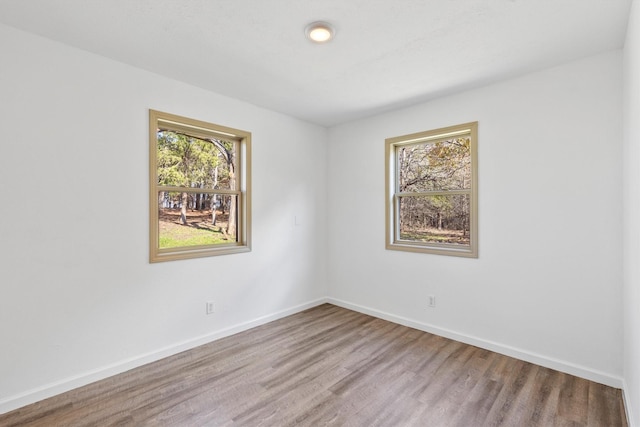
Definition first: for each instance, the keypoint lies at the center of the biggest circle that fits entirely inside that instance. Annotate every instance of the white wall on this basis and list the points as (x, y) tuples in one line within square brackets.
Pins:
[(547, 286), (631, 240), (78, 298)]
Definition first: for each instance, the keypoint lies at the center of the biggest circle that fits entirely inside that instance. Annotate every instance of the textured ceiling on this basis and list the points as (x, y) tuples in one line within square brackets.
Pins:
[(386, 53)]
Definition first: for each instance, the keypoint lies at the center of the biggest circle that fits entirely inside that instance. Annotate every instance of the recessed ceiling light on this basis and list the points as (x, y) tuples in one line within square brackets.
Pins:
[(319, 32)]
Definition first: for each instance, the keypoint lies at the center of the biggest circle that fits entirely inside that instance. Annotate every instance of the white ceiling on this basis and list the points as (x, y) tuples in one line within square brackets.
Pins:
[(386, 53)]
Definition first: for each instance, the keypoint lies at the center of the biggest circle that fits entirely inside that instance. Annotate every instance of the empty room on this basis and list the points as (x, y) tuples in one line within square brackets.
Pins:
[(338, 212)]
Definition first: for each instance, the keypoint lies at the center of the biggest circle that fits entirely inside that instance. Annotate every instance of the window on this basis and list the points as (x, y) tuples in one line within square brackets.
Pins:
[(431, 191), (199, 199)]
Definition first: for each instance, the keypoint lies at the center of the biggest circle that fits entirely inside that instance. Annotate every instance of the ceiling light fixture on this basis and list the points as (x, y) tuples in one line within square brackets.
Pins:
[(319, 32)]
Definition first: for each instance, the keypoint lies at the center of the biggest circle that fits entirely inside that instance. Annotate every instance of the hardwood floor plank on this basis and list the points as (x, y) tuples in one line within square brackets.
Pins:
[(332, 366), (599, 411), (478, 405), (544, 399)]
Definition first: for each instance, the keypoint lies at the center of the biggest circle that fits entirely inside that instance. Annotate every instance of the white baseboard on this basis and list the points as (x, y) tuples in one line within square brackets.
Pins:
[(547, 362), (67, 384)]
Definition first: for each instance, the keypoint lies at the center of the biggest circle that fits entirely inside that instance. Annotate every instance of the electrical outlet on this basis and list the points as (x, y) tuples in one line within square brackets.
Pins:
[(432, 301), (210, 307)]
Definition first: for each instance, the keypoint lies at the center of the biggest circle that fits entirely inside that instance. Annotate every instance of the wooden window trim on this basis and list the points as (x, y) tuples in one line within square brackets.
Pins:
[(392, 195), (199, 128)]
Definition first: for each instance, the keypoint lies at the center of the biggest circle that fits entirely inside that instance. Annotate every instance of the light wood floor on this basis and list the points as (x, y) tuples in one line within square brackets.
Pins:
[(331, 366)]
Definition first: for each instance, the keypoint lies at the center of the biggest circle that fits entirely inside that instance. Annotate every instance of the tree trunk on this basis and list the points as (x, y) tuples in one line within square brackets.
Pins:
[(214, 197), (214, 202), (231, 225), (183, 209)]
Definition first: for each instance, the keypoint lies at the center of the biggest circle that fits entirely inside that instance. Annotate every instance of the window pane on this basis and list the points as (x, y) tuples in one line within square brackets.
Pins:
[(193, 219), (435, 166), (194, 162), (435, 219)]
